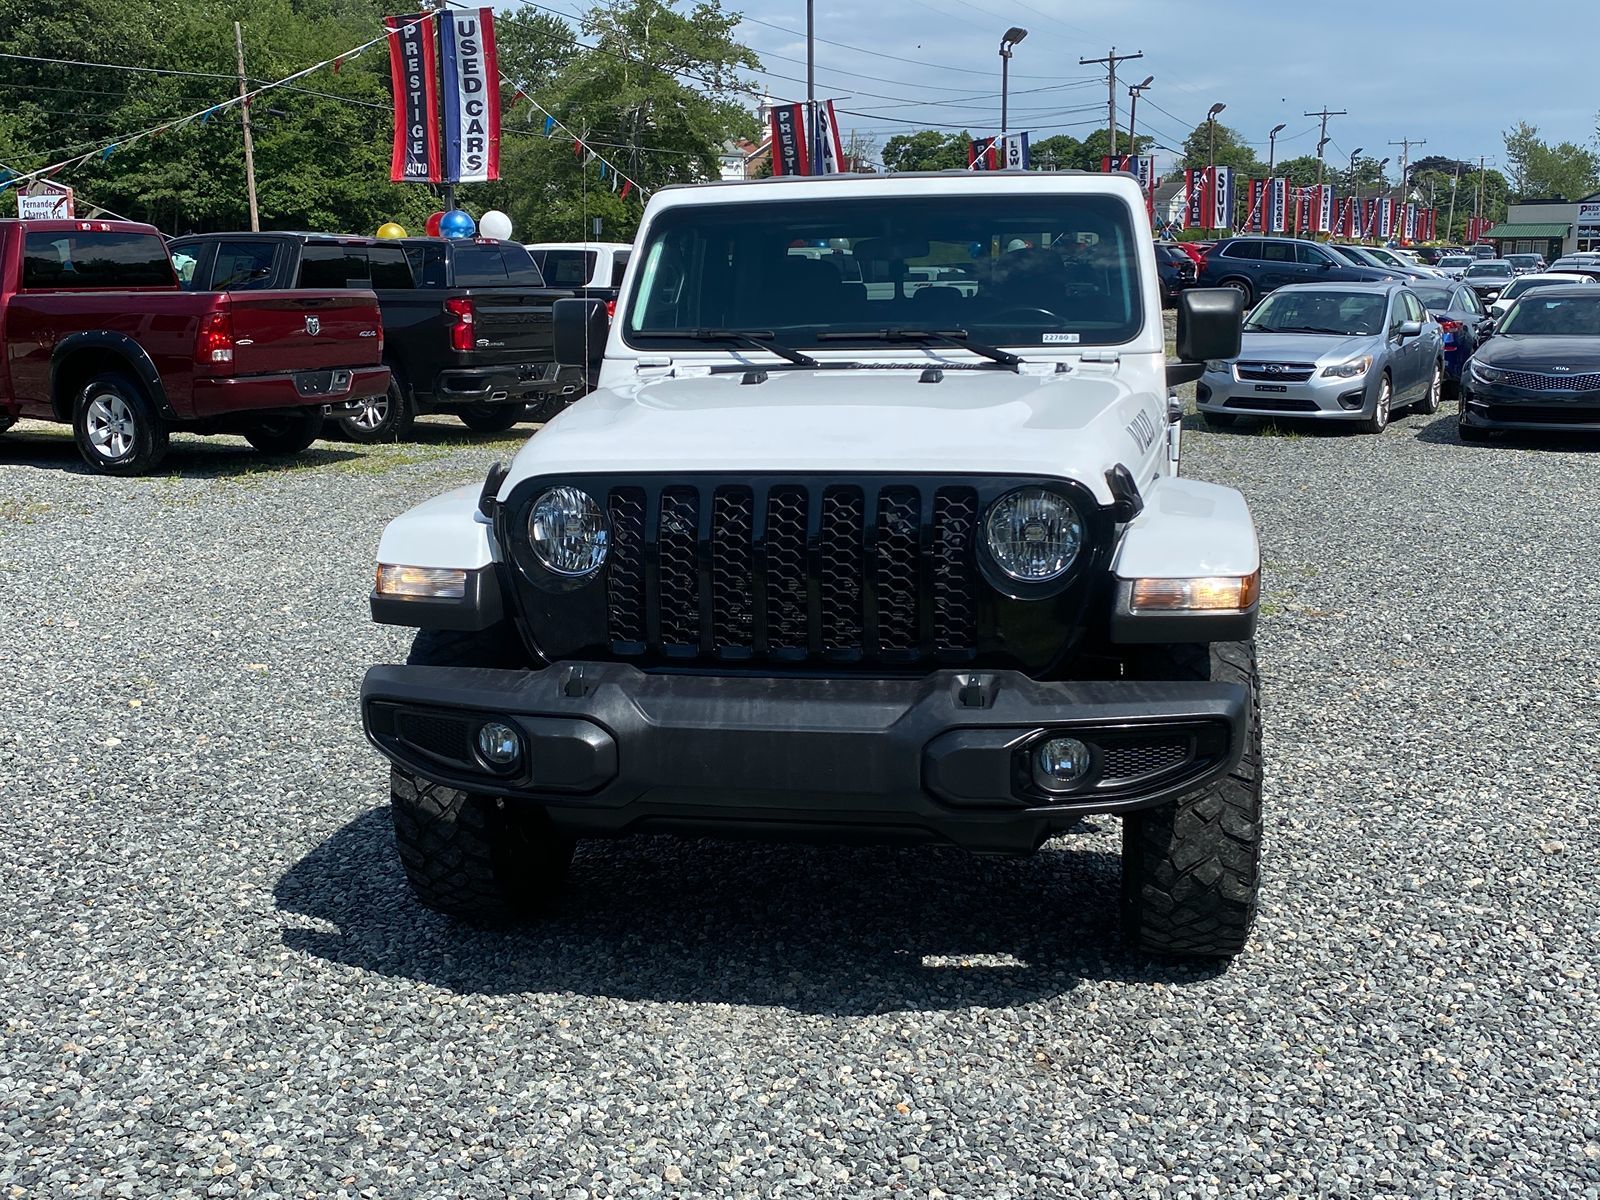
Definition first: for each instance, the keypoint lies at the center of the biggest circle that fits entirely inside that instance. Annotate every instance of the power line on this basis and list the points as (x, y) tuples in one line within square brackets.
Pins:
[(72, 62)]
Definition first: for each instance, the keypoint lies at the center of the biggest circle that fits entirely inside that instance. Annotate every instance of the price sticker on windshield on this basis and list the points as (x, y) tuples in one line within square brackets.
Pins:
[(1070, 339)]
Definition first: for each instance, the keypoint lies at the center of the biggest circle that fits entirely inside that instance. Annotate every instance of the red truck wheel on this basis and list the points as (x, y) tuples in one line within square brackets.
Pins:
[(118, 430)]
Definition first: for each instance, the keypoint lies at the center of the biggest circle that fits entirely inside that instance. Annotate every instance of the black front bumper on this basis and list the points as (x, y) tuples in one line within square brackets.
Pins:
[(609, 749), (1514, 408)]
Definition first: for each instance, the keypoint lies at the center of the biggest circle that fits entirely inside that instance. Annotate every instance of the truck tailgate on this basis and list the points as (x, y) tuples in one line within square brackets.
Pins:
[(280, 331), (511, 325)]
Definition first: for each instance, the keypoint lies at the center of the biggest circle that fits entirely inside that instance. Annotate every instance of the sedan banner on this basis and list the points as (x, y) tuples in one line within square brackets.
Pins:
[(471, 96), (415, 74)]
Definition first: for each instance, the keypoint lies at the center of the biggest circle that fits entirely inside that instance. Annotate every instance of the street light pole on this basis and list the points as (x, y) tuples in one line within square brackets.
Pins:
[(1272, 159), (1211, 122), (1355, 190), (1134, 91), (811, 82), (1012, 36)]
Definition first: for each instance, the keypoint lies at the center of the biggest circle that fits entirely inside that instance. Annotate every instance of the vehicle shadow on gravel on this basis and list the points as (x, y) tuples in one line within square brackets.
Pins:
[(199, 458), (826, 930), (1445, 431)]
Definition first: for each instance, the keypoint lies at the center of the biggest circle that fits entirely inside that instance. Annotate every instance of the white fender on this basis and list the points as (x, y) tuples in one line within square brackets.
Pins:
[(1188, 529), (447, 531)]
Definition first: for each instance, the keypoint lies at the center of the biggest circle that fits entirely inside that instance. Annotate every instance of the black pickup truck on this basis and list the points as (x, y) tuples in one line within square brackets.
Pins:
[(466, 322)]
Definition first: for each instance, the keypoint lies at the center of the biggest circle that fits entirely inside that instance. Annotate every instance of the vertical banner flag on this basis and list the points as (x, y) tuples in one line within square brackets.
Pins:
[(1325, 208), (1278, 206), (828, 144), (471, 95), (1193, 209), (1222, 198), (1258, 195), (1147, 181), (1015, 152), (789, 154), (1411, 222), (982, 155), (415, 75), (1385, 218)]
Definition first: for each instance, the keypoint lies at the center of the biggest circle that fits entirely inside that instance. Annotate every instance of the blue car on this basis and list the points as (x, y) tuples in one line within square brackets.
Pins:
[(1461, 315)]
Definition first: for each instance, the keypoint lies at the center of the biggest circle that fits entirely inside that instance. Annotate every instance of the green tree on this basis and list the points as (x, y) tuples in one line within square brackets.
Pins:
[(1302, 171), (1231, 149), (1061, 152), (926, 150), (1540, 170)]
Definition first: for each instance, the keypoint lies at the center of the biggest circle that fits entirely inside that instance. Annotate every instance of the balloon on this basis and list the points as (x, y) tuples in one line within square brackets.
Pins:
[(432, 226), (457, 224), (495, 224), (390, 229)]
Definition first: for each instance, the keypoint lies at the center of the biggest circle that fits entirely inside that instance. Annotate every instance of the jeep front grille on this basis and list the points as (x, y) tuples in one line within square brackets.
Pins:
[(793, 571)]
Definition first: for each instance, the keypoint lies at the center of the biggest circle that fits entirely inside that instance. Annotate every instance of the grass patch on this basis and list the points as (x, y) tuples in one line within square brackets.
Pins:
[(24, 511)]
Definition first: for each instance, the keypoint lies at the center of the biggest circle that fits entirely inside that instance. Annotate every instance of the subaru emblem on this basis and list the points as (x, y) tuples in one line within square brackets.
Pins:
[(313, 325)]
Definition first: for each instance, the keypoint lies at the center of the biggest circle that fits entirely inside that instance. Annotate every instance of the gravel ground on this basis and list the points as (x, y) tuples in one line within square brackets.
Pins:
[(212, 982)]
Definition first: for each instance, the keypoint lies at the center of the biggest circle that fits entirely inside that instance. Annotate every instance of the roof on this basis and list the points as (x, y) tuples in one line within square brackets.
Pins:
[(1353, 285), (1547, 230), (1041, 178)]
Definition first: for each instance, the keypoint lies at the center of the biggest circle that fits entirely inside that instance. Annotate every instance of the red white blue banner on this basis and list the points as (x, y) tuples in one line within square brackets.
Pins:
[(1385, 218), (790, 155), (471, 95), (983, 154), (830, 150), (1014, 152), (414, 72), (1278, 206), (1324, 203)]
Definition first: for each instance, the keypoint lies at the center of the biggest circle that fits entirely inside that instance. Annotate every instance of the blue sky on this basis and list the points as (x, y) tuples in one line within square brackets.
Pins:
[(1397, 67)]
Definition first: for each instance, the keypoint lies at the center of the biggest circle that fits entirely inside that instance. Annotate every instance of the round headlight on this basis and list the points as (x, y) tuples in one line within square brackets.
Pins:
[(1034, 534), (567, 531)]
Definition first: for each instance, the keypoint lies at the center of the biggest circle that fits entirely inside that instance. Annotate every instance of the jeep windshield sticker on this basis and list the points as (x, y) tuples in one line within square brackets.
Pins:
[(1069, 338)]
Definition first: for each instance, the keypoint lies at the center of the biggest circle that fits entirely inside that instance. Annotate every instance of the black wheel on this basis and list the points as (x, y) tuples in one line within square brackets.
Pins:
[(288, 432), (117, 428), (472, 856), (1429, 404), (492, 418), (1242, 286), (1218, 420), (1381, 408), (1191, 869), (385, 418), (6, 423)]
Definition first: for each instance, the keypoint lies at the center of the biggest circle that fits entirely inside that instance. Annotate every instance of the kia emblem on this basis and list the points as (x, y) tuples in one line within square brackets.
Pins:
[(1561, 368), (313, 325)]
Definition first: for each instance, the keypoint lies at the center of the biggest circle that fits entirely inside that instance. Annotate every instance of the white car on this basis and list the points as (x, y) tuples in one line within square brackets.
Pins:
[(813, 560), (581, 264), (1454, 266), (1526, 283), (1404, 260)]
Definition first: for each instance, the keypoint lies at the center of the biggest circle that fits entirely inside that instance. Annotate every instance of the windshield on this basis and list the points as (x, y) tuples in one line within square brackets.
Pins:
[(1014, 270), (1528, 284), (1434, 298), (1490, 270), (1523, 260), (1455, 260), (1346, 313), (1383, 256), (1554, 316)]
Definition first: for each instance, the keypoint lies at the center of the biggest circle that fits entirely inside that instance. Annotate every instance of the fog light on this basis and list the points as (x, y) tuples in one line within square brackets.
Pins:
[(1060, 764), (498, 744)]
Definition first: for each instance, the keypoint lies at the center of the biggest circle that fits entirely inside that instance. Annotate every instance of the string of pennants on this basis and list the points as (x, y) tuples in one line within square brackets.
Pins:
[(408, 32)]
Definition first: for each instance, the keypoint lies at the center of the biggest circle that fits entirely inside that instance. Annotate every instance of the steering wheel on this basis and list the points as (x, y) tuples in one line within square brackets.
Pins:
[(1028, 310)]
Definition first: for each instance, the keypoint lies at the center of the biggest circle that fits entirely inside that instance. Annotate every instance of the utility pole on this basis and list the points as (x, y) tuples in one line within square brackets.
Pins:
[(1111, 60), (1450, 221), (811, 82), (1322, 137), (1477, 204), (249, 147), (1405, 145)]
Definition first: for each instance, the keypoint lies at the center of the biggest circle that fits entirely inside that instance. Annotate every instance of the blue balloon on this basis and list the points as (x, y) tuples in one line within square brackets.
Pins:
[(457, 224)]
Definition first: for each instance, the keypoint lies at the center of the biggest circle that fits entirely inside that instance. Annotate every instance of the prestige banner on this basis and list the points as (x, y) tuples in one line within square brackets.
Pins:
[(471, 94), (415, 74), (789, 156)]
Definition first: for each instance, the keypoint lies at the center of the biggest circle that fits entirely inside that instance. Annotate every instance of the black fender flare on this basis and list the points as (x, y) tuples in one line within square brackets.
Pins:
[(119, 344)]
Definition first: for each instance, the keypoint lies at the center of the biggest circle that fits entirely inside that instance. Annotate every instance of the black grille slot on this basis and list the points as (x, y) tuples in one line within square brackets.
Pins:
[(1276, 372), (732, 577), (678, 546), (1271, 404), (1133, 760), (896, 563), (955, 600), (787, 626), (625, 587), (840, 553), (1554, 414), (442, 737)]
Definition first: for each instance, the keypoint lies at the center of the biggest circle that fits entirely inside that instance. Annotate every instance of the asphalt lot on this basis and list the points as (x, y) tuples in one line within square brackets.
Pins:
[(213, 983)]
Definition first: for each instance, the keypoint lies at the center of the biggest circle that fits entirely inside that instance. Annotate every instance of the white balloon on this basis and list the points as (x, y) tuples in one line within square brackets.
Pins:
[(495, 224)]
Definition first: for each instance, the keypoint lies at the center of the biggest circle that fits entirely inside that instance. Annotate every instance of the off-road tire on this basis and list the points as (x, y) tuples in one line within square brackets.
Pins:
[(1191, 869), (288, 432), (116, 401), (492, 418), (1216, 420), (1382, 408), (1429, 404), (386, 419), (474, 857)]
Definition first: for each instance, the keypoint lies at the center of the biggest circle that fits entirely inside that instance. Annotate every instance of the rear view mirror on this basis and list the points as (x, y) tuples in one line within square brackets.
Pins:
[(581, 328)]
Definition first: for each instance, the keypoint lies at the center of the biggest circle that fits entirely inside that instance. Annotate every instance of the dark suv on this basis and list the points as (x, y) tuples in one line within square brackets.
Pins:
[(1256, 265), (1176, 271)]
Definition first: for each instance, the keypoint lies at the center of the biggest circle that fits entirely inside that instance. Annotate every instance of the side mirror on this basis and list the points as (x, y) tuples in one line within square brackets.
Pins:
[(1327, 264), (580, 329), (1210, 325), (1410, 329), (1486, 330)]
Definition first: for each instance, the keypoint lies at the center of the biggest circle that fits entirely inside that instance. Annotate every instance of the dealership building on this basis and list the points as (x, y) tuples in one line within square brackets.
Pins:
[(1548, 227)]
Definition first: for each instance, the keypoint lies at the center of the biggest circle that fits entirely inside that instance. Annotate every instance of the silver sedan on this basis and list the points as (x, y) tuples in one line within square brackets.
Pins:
[(1352, 352)]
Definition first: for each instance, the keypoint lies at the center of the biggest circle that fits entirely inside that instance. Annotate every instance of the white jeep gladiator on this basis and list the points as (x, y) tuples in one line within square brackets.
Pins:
[(873, 530)]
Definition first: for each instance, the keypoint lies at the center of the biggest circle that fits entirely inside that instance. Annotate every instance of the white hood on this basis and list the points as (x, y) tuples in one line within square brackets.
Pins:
[(1070, 425)]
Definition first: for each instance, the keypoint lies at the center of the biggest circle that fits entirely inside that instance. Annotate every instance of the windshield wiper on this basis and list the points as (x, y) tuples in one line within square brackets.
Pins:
[(762, 339), (1294, 329), (949, 337)]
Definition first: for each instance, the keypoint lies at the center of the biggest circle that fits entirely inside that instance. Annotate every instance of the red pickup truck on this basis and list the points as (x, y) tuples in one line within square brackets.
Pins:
[(96, 331)]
